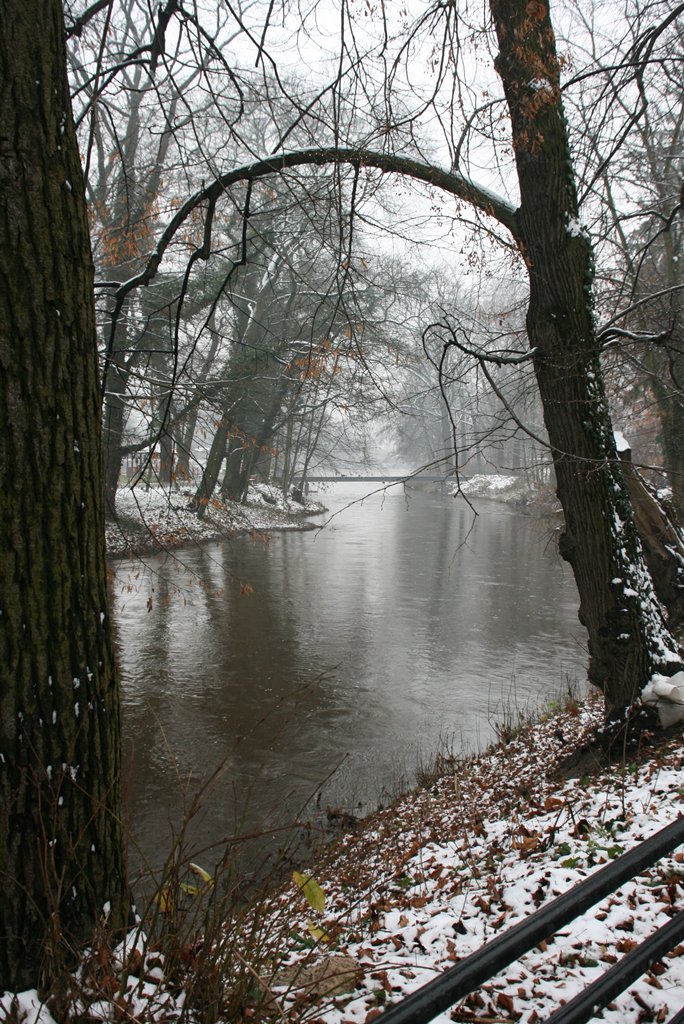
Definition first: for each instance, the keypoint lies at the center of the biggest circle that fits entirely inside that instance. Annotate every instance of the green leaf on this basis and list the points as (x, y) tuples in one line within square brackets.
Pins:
[(311, 890), (571, 862)]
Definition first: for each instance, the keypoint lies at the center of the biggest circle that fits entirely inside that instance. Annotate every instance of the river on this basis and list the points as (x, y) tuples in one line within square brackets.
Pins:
[(319, 669)]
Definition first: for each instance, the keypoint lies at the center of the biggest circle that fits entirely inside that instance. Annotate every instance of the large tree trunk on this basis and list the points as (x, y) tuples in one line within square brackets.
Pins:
[(215, 459), (256, 415), (236, 480), (628, 637), (61, 844), (661, 540), (186, 429)]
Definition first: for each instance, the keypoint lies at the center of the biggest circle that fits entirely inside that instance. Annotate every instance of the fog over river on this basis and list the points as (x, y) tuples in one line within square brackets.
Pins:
[(324, 665)]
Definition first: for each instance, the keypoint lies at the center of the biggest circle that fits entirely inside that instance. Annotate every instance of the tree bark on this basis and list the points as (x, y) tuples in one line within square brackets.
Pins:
[(628, 636), (661, 540), (215, 460), (187, 427), (234, 486), (114, 418), (61, 844)]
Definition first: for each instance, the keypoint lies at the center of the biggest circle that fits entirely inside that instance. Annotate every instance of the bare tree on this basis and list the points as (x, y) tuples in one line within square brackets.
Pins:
[(631, 139), (629, 638)]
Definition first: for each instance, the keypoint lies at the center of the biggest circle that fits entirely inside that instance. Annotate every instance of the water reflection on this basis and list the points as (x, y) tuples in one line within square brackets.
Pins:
[(351, 648)]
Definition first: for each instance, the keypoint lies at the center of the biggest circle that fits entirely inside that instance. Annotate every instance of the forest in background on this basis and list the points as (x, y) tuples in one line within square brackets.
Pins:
[(297, 335), (312, 226)]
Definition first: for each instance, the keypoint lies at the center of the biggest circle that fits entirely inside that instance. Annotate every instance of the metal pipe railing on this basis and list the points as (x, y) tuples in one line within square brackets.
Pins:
[(596, 996), (458, 981)]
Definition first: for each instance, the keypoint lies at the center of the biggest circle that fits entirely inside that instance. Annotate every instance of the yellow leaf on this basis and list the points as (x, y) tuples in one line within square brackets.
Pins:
[(317, 934), (197, 890), (165, 901), (204, 875), (192, 890), (312, 891)]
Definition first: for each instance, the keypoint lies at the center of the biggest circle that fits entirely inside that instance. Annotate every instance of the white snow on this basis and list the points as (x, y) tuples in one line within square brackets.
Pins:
[(666, 693), (25, 1008), (621, 443), (576, 229), (154, 517), (428, 881), (541, 85), (488, 485)]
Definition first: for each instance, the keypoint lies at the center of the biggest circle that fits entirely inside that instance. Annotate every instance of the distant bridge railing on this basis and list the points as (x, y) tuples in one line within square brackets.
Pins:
[(406, 478), (440, 994)]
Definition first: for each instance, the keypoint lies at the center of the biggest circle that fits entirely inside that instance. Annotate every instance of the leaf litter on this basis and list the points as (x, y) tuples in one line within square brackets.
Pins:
[(425, 882), (445, 869)]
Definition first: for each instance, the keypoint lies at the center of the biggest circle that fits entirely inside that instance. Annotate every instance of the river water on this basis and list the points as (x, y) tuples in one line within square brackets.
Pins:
[(324, 666)]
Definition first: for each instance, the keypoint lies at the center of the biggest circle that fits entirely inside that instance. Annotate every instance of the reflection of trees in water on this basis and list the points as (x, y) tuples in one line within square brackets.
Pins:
[(216, 680), (374, 637)]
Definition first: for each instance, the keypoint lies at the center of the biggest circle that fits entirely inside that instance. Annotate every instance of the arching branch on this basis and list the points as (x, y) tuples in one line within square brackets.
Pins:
[(448, 181)]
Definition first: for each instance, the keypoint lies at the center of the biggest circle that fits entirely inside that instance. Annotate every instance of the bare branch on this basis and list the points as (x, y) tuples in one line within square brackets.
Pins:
[(449, 181), (636, 305), (77, 26)]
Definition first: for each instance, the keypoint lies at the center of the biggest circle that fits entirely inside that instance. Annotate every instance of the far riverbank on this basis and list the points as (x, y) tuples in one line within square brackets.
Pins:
[(155, 519)]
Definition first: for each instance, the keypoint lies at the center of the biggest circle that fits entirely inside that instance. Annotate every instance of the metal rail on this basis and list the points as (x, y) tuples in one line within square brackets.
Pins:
[(458, 981), (586, 1004)]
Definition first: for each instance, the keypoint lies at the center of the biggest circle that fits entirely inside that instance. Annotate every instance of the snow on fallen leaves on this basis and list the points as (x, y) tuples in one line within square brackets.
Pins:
[(426, 882), (444, 870), (150, 519)]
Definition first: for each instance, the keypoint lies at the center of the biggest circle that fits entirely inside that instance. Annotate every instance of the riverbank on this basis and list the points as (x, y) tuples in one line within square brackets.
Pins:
[(414, 888), (153, 519), (511, 490), (487, 843)]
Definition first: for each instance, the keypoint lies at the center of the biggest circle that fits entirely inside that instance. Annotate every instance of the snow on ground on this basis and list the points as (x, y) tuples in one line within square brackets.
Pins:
[(419, 886), (492, 485), (148, 519), (447, 869)]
